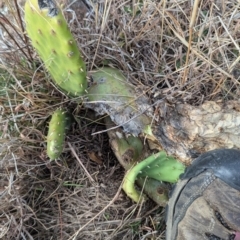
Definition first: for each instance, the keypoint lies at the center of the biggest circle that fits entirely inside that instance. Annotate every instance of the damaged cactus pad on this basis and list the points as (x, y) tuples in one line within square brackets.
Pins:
[(158, 166), (111, 94), (53, 41)]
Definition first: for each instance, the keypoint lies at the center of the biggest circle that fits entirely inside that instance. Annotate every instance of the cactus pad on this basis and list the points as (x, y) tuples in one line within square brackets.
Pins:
[(162, 168), (56, 133), (158, 166), (53, 41), (111, 94)]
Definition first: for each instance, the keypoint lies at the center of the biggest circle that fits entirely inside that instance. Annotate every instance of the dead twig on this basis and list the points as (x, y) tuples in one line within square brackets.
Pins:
[(192, 22), (81, 164)]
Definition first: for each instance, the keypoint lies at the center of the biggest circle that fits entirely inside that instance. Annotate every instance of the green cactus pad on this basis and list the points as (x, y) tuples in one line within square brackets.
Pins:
[(163, 168), (158, 166), (53, 41), (111, 94), (58, 126)]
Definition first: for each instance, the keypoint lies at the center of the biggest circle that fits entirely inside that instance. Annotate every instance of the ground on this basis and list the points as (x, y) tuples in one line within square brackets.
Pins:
[(148, 41)]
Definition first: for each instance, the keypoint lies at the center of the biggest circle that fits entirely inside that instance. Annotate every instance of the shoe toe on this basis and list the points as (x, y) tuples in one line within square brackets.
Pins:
[(205, 203), (225, 164)]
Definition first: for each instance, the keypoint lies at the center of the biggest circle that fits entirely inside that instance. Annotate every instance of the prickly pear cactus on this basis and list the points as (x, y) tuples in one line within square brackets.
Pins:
[(58, 126), (51, 37)]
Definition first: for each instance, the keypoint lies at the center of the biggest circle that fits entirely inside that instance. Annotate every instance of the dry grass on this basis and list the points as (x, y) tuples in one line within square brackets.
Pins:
[(148, 40)]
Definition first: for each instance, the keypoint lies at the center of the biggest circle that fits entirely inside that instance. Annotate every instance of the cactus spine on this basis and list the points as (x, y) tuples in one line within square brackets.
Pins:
[(56, 133), (53, 41)]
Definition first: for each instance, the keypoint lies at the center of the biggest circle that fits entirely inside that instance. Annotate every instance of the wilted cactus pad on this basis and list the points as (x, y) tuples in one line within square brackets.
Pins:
[(111, 94), (51, 37)]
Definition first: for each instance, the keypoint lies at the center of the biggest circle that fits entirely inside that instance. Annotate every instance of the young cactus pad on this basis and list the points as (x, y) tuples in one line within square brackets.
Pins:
[(58, 126), (111, 94), (158, 166), (53, 41)]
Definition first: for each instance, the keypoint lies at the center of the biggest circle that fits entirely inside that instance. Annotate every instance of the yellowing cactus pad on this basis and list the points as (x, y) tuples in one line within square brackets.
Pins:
[(53, 41)]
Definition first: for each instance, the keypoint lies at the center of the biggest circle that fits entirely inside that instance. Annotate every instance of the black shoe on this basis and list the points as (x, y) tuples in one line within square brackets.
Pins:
[(205, 203)]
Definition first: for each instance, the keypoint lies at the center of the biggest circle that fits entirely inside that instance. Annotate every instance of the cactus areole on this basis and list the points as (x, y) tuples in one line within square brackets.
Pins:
[(53, 41)]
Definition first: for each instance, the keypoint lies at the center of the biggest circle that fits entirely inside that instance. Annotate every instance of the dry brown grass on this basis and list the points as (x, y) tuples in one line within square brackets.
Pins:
[(148, 41)]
